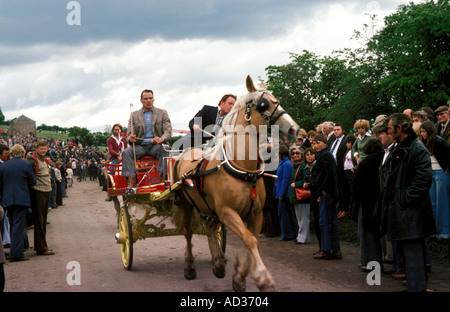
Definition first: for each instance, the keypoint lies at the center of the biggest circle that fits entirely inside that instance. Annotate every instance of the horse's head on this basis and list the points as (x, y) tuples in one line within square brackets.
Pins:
[(261, 102)]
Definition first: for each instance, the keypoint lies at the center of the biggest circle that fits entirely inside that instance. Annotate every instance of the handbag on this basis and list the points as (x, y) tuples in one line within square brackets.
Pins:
[(301, 194)]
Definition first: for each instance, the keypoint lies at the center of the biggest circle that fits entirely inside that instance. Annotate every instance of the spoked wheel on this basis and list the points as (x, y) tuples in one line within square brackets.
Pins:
[(125, 238), (221, 234)]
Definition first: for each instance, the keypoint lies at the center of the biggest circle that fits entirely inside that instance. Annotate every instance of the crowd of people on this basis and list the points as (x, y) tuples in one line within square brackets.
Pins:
[(393, 179), (35, 175)]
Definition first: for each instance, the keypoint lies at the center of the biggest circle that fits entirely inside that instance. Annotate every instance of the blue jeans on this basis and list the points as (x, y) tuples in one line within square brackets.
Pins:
[(328, 223), (440, 193), (289, 227), (17, 218)]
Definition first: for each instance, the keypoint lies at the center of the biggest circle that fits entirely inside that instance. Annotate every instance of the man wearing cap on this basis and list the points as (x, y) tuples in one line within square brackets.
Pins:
[(443, 126)]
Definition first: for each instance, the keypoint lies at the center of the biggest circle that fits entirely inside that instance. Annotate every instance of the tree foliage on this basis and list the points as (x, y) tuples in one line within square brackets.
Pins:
[(404, 65), (414, 50)]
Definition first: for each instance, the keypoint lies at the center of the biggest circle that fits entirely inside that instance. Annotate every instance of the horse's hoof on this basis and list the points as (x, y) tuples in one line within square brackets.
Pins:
[(238, 287), (268, 288), (219, 272), (190, 274)]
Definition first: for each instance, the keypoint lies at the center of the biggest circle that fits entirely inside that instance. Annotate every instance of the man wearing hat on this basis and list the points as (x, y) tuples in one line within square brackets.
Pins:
[(443, 126)]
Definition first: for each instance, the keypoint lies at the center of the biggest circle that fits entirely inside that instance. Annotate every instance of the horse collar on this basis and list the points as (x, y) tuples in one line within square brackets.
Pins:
[(241, 173)]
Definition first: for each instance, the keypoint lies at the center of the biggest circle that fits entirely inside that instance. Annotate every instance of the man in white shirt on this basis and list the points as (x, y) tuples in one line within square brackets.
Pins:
[(328, 130), (338, 149)]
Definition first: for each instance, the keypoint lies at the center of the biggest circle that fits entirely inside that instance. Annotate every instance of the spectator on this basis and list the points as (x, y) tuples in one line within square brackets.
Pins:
[(40, 197), (271, 224), (365, 209), (408, 213), (327, 193), (338, 148), (439, 151), (346, 183), (362, 126), (2, 256), (69, 177), (388, 144), (289, 227), (52, 201), (419, 116), (4, 222), (16, 177), (309, 137), (328, 130), (443, 126), (58, 183), (301, 178), (408, 112)]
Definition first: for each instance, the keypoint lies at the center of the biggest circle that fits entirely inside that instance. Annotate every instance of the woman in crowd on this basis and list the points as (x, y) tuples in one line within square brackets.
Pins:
[(288, 225), (440, 188), (362, 126), (300, 178)]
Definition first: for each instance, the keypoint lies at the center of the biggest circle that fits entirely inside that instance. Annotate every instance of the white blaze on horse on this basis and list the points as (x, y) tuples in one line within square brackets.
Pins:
[(229, 188)]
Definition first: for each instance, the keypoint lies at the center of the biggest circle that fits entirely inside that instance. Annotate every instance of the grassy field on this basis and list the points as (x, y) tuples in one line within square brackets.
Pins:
[(45, 133)]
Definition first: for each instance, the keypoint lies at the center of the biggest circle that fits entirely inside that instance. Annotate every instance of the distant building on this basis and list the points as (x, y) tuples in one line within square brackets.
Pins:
[(22, 126)]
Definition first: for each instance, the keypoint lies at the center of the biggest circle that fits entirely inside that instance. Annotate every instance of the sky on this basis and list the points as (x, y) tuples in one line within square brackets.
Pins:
[(84, 63)]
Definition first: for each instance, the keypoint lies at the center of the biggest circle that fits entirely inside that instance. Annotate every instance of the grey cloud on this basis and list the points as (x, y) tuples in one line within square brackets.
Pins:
[(32, 22)]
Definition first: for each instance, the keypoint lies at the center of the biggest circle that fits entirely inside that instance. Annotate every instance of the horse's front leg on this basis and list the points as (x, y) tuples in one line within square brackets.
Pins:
[(252, 261), (218, 257), (259, 272)]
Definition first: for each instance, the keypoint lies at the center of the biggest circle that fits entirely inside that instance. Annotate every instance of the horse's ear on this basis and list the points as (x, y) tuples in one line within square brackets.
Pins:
[(262, 86), (250, 86)]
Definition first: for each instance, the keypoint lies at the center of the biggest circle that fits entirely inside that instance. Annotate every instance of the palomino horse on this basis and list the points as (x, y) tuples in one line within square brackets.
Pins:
[(231, 191)]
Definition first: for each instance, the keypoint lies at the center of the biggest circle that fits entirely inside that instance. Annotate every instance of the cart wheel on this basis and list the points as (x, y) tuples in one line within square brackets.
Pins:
[(221, 234), (125, 237)]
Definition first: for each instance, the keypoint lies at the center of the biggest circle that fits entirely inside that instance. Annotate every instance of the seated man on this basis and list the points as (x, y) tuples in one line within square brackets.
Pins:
[(210, 118), (148, 128)]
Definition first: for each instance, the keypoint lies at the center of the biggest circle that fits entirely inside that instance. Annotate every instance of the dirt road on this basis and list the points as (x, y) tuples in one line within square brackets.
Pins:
[(82, 235)]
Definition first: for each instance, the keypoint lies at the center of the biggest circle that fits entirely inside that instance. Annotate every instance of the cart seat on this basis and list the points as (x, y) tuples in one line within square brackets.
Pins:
[(146, 176)]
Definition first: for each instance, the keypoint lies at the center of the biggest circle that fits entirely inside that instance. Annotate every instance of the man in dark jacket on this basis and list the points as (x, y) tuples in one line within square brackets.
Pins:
[(209, 119), (16, 178), (408, 216), (327, 192)]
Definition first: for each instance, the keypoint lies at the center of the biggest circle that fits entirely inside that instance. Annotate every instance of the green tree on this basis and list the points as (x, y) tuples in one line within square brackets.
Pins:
[(82, 134), (296, 86), (414, 52), (2, 117)]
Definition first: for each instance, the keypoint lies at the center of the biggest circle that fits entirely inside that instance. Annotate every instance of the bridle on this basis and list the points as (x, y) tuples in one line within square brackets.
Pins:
[(261, 106)]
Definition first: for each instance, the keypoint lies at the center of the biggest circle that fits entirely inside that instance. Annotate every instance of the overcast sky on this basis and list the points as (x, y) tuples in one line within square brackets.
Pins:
[(82, 63)]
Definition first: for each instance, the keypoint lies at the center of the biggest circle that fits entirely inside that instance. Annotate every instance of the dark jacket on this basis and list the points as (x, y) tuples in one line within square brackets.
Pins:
[(442, 153), (407, 210), (446, 135), (366, 191), (207, 115), (326, 179), (16, 179)]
